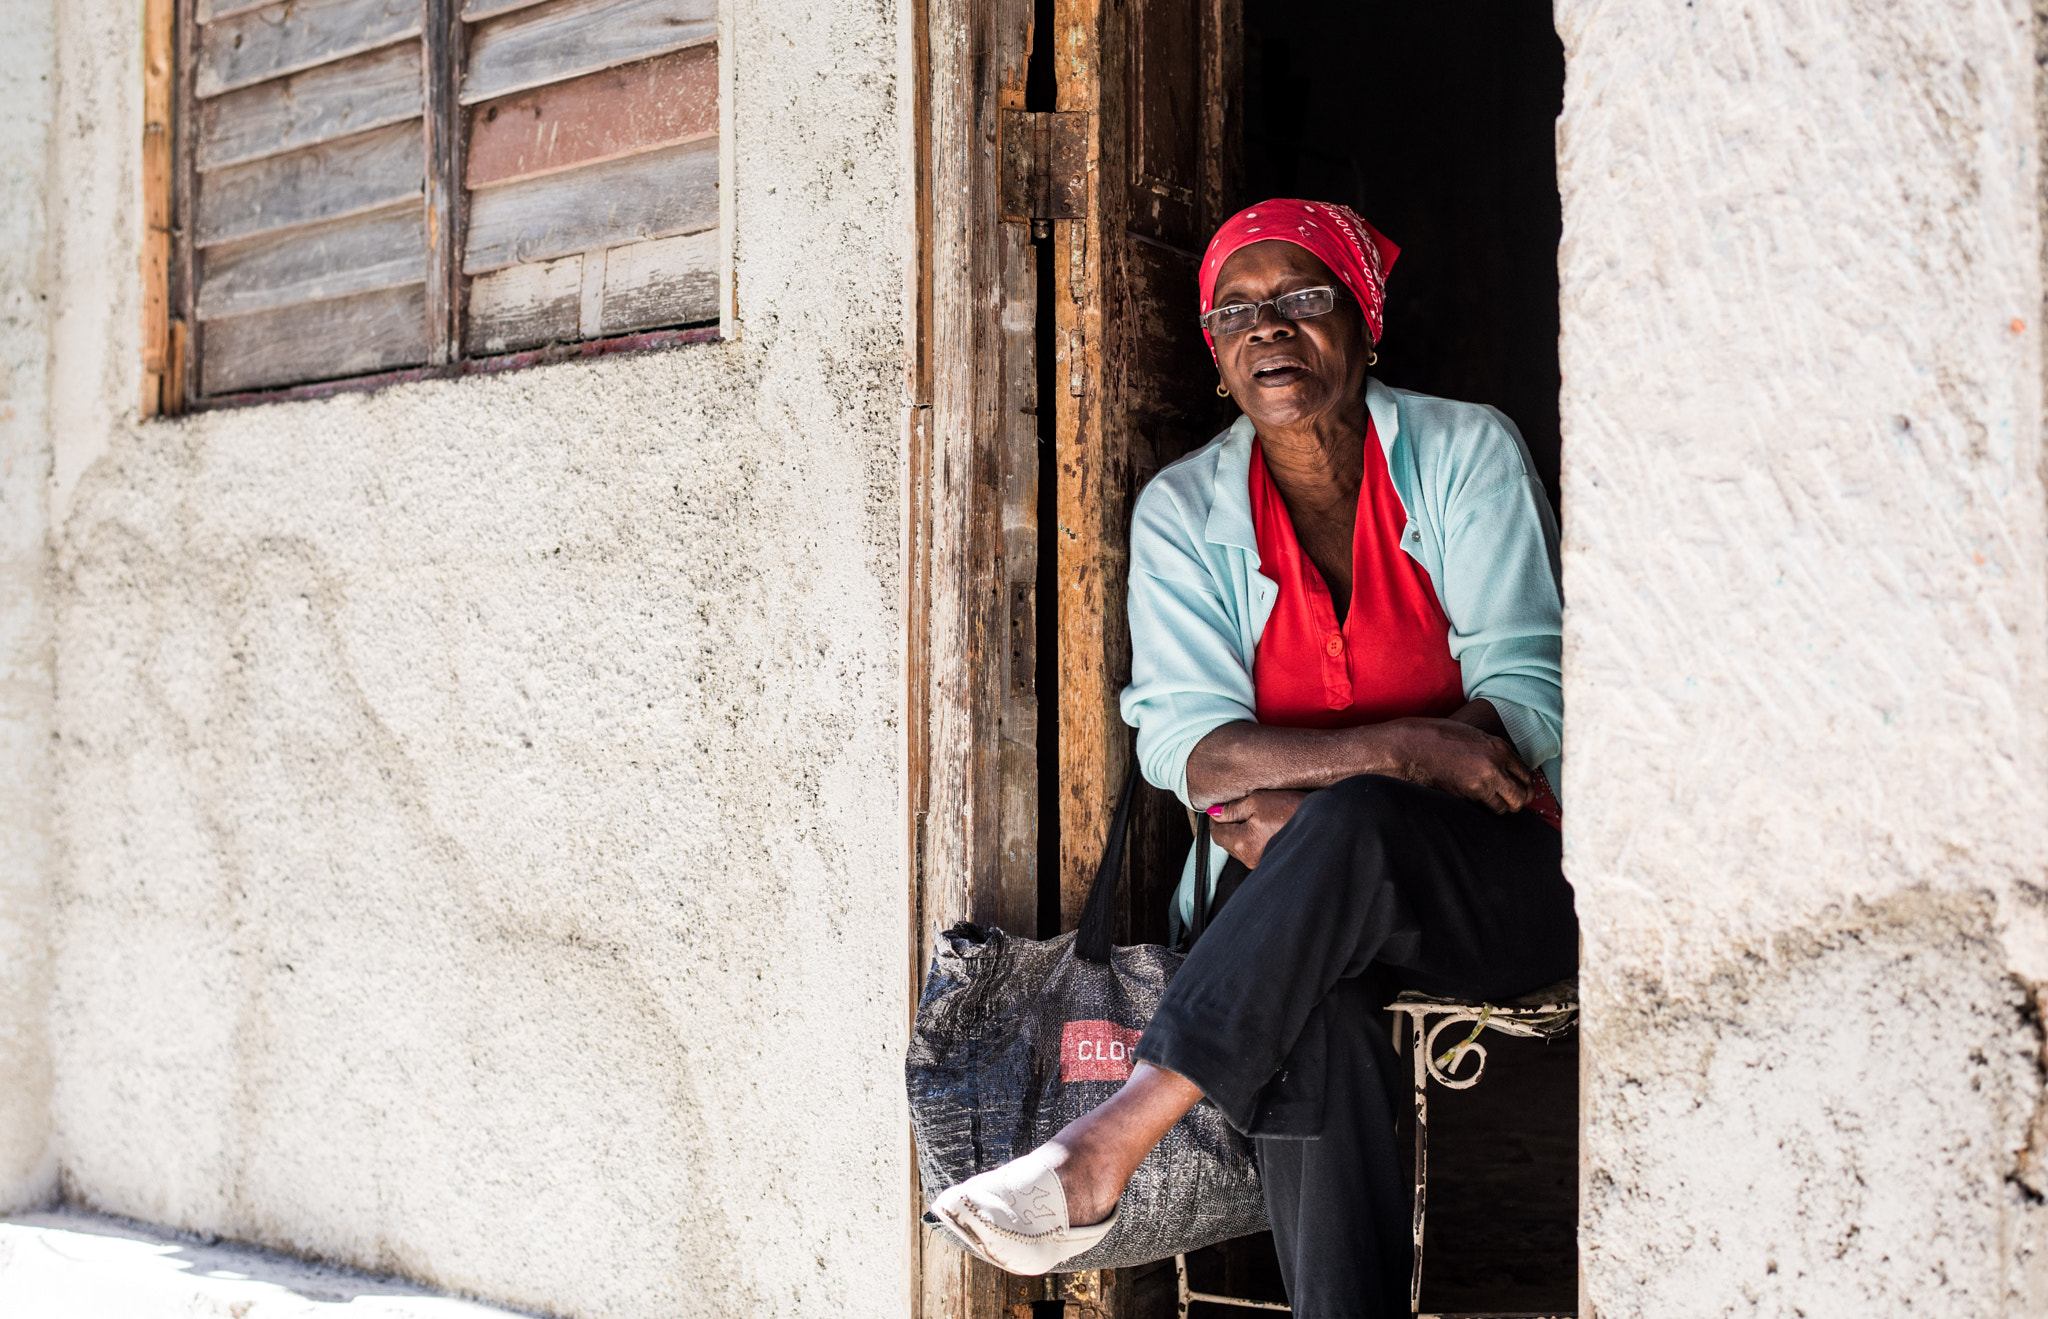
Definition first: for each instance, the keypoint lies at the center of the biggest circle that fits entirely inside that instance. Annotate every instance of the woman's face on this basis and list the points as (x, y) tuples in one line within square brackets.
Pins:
[(1284, 372)]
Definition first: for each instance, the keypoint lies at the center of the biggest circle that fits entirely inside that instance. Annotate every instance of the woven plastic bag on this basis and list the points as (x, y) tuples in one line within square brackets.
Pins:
[(1015, 1038)]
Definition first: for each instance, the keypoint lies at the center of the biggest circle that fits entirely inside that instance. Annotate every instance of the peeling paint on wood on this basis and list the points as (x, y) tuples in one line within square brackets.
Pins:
[(666, 281), (315, 340), (524, 306), (638, 107), (977, 50), (379, 250), (651, 195), (347, 177), (209, 10), (568, 38), (318, 105), (285, 38)]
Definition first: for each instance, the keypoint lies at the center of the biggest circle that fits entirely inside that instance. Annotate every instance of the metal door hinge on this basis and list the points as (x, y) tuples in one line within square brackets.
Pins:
[(1045, 165)]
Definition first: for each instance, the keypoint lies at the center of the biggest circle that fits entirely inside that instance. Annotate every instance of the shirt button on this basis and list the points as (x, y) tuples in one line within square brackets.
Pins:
[(1334, 646)]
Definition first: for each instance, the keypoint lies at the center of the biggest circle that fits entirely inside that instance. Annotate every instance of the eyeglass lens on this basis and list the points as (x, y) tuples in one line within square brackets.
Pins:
[(1298, 305)]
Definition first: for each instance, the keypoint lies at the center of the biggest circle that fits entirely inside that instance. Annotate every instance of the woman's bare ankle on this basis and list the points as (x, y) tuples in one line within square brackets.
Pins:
[(1096, 1154), (1092, 1183)]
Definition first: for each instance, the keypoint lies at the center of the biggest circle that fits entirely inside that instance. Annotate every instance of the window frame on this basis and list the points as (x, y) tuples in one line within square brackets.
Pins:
[(173, 337)]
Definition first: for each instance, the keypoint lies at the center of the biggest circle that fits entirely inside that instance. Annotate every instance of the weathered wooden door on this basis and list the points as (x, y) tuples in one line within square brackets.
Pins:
[(1160, 83), (1063, 204)]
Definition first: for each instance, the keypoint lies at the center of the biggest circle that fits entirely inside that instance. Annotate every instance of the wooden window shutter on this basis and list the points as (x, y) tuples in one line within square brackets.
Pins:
[(591, 168), (366, 186), (307, 238)]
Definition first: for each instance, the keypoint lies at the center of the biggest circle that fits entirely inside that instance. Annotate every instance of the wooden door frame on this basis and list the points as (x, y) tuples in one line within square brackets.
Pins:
[(970, 499), (965, 370), (1104, 454)]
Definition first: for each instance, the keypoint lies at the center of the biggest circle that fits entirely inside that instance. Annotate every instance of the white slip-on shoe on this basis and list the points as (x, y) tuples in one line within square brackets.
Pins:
[(1015, 1217)]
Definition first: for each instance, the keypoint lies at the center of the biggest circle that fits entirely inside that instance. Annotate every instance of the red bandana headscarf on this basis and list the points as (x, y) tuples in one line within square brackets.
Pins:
[(1357, 253)]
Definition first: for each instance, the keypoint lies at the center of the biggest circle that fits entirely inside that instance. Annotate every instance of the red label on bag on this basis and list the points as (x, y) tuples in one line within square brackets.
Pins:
[(1096, 1051)]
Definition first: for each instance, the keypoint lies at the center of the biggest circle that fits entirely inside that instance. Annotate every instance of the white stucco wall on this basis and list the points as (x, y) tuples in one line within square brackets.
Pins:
[(481, 801), (448, 775), (27, 852), (1806, 653)]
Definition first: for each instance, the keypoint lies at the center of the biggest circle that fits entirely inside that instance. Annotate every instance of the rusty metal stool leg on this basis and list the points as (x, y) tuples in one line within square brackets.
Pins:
[(1187, 1297), (1543, 1015)]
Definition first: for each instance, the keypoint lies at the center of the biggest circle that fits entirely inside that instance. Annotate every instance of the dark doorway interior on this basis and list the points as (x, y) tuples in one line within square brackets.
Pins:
[(1503, 1200), (1436, 123)]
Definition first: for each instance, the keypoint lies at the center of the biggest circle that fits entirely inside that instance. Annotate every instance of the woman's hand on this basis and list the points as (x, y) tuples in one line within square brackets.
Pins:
[(1243, 827), (1467, 754), (1455, 757), (1446, 754)]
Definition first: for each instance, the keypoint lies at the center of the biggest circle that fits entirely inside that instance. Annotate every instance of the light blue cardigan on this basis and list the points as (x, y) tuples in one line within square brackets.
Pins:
[(1478, 522)]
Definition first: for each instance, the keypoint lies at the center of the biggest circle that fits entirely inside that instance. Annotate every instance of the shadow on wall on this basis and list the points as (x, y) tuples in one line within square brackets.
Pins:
[(85, 1266), (1438, 124)]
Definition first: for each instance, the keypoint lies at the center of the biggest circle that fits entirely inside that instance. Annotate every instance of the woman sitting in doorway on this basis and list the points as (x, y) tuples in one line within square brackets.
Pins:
[(1345, 633)]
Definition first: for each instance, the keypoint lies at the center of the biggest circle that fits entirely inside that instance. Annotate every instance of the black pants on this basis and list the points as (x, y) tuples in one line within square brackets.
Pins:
[(1375, 886)]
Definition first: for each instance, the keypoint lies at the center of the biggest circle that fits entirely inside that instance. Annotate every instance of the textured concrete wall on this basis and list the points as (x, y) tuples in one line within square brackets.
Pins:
[(27, 852), (450, 775), (481, 801), (1806, 653)]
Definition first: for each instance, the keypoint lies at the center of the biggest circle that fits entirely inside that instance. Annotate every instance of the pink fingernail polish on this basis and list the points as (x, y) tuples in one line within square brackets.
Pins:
[(1216, 810)]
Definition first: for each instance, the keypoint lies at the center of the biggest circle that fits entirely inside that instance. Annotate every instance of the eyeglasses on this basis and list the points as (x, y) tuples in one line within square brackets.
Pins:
[(1298, 305)]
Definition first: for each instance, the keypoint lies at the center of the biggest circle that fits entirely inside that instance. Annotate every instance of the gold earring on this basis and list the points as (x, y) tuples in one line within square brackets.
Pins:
[(1222, 390), (1372, 358)]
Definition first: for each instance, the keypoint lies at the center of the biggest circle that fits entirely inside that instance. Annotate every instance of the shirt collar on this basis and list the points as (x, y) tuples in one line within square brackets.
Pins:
[(1230, 504)]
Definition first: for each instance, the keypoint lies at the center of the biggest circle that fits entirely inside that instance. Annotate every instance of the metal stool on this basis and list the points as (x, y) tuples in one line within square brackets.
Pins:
[(1188, 1297), (1544, 1015)]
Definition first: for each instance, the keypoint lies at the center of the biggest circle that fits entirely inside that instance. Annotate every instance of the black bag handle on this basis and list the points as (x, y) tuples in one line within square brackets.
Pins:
[(1098, 918), (1202, 890)]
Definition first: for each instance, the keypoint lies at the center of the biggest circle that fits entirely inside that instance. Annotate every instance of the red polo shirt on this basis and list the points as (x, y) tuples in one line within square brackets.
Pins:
[(1389, 658)]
